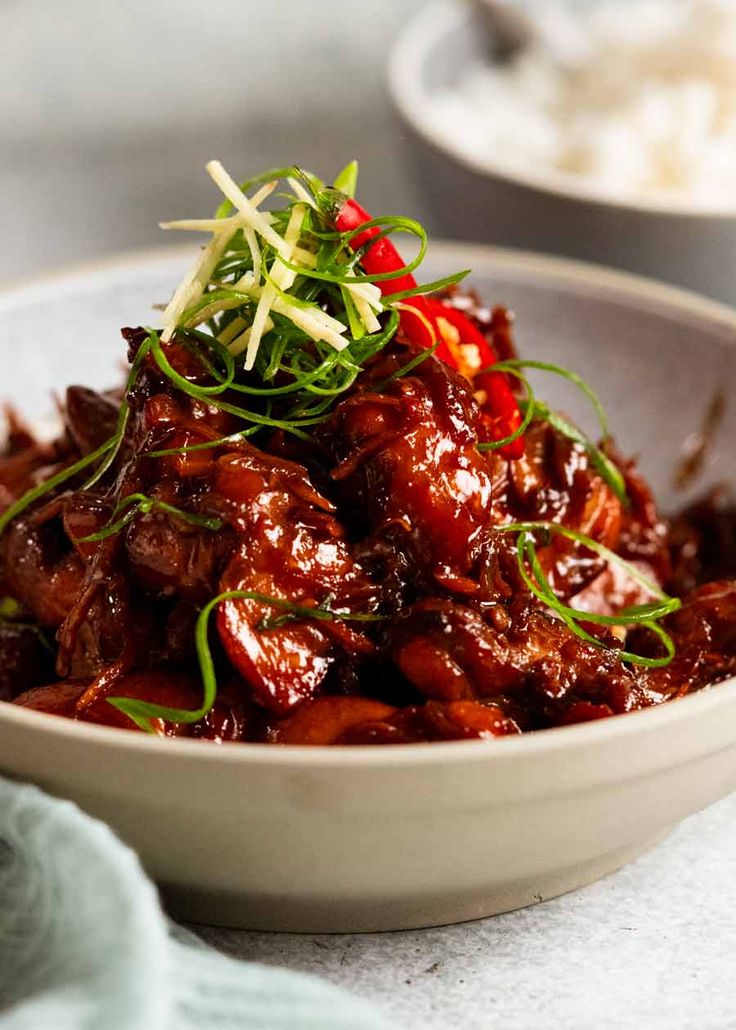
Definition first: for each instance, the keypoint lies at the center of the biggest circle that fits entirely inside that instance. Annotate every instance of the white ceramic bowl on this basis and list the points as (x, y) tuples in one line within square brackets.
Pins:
[(540, 208), (379, 838)]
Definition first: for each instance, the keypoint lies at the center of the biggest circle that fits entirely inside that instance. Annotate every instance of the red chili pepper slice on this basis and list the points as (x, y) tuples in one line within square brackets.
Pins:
[(500, 410), (384, 257)]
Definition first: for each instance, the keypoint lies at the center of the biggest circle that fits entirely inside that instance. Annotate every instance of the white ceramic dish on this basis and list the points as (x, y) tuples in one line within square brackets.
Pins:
[(379, 838), (540, 208)]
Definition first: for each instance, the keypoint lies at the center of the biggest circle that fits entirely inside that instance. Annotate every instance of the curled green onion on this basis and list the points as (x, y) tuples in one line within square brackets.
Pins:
[(645, 615), (431, 287), (531, 409), (140, 504), (387, 224), (221, 441), (539, 409), (52, 482), (196, 390), (600, 460), (141, 712), (205, 394), (563, 373), (118, 436)]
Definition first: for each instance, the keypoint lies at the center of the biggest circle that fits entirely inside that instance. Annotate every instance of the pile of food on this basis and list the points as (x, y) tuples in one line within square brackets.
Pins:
[(328, 508)]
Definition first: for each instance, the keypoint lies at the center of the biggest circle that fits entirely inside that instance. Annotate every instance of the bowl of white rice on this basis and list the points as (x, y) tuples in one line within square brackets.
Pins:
[(611, 137)]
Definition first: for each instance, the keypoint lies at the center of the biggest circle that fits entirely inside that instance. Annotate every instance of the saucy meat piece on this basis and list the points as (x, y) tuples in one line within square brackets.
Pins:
[(290, 547), (361, 720), (409, 455), (169, 557), (226, 721), (114, 620), (90, 417), (101, 626), (704, 634), (435, 721), (704, 541), (326, 720), (42, 569), (453, 653)]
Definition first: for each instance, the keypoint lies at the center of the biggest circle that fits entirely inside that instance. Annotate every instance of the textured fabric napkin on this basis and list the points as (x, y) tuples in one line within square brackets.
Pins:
[(84, 943)]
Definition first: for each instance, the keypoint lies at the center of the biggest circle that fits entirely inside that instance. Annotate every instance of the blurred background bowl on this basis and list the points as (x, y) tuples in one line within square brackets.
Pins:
[(478, 199)]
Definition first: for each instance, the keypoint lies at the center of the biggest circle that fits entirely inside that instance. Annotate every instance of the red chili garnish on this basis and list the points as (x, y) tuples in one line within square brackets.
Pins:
[(500, 411), (501, 415), (382, 257)]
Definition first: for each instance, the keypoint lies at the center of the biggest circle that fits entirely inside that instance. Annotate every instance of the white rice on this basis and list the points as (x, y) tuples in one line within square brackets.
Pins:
[(638, 98)]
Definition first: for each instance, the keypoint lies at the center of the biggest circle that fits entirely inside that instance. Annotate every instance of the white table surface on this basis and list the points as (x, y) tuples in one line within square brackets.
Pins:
[(97, 144), (651, 947)]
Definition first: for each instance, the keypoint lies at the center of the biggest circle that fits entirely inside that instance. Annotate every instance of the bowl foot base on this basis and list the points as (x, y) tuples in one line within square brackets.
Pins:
[(360, 915)]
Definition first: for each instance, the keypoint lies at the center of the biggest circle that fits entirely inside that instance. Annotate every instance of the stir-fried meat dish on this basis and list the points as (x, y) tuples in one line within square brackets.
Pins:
[(426, 553)]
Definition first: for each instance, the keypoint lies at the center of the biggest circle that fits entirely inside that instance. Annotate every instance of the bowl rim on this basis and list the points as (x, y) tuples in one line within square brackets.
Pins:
[(540, 742), (404, 73)]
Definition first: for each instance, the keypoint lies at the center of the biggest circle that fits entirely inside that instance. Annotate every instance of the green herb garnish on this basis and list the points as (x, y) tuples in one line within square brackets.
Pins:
[(141, 712), (36, 492), (139, 504), (535, 408), (529, 414), (645, 615)]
